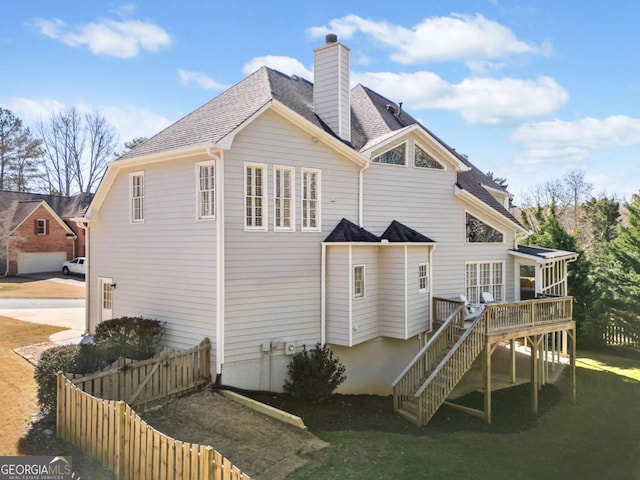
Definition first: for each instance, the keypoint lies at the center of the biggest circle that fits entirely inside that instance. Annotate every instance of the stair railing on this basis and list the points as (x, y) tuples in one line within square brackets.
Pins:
[(429, 356), (441, 382)]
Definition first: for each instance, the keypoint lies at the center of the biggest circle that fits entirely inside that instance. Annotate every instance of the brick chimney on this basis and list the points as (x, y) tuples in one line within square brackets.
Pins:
[(331, 100)]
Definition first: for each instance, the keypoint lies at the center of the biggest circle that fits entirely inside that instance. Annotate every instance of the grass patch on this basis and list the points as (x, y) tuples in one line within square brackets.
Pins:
[(594, 439)]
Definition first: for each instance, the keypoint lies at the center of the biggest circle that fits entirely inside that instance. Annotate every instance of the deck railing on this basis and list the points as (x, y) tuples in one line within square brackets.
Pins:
[(528, 314)]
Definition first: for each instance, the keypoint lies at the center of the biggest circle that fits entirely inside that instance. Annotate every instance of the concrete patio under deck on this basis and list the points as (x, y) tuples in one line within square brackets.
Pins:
[(473, 380)]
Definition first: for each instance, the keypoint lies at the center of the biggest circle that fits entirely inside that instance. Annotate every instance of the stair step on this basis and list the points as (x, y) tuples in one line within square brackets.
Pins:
[(410, 406), (408, 416)]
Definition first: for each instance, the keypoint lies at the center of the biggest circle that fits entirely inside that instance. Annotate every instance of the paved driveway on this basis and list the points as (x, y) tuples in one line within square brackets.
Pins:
[(68, 313)]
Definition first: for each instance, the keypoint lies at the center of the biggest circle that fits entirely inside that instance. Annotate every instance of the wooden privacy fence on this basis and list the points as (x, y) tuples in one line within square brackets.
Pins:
[(150, 382), (113, 433), (620, 335)]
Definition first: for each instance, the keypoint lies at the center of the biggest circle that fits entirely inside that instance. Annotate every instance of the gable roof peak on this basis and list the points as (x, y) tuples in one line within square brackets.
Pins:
[(347, 231)]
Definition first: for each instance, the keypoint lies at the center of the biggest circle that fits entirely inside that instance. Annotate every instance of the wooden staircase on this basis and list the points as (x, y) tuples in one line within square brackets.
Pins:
[(434, 372)]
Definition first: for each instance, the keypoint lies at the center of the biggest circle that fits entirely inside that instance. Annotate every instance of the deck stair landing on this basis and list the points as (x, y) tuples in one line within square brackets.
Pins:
[(428, 380)]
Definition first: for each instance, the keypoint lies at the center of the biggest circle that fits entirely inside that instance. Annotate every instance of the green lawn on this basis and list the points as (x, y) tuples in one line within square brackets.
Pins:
[(597, 438)]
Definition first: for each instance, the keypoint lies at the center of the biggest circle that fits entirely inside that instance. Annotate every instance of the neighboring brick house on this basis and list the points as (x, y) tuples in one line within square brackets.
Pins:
[(38, 231)]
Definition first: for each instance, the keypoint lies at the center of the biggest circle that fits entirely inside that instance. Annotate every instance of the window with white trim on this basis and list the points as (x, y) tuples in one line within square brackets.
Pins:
[(310, 200), (484, 277), (283, 198), (421, 159), (206, 180), (480, 232), (107, 296), (41, 226), (358, 281), (423, 278), (136, 193), (395, 156), (255, 194)]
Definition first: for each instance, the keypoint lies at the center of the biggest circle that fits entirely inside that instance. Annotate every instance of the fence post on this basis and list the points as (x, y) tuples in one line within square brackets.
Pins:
[(206, 359), (206, 463), (60, 404), (120, 434)]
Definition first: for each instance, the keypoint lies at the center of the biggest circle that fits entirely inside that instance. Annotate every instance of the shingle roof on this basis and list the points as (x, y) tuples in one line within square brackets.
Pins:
[(347, 231), (372, 116), (16, 206), (544, 253), (397, 232)]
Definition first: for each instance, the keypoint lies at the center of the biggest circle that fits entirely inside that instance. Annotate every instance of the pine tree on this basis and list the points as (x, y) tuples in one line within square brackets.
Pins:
[(552, 234), (622, 289), (18, 153)]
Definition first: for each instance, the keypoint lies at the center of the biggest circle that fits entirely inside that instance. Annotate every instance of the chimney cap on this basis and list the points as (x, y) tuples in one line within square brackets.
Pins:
[(331, 38)]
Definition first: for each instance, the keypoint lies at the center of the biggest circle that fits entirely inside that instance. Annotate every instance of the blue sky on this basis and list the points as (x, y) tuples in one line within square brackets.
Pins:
[(528, 90)]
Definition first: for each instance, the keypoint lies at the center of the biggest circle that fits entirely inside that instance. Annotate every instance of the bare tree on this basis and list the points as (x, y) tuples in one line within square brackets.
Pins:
[(578, 190), (549, 196), (76, 149), (102, 141)]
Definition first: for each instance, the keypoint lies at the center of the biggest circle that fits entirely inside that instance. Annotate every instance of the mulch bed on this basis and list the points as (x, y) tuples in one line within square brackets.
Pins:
[(511, 412)]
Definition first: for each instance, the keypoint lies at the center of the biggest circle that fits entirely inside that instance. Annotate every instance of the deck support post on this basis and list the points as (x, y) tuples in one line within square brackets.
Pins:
[(572, 333), (534, 341), (512, 347), (487, 381)]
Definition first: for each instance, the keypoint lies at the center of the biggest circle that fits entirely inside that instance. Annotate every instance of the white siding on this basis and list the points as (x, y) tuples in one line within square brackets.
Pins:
[(418, 304), (365, 310), (164, 268), (424, 200), (338, 320), (392, 298), (273, 278)]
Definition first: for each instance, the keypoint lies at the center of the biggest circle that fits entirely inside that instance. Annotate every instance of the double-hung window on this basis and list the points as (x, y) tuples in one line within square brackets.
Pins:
[(41, 226), (484, 277), (283, 193), (206, 180), (310, 200), (423, 278), (358, 281), (136, 194), (255, 195)]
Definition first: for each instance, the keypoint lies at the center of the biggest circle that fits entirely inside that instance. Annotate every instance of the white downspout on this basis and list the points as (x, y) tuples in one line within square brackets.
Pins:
[(220, 262), (323, 296), (361, 194), (84, 225)]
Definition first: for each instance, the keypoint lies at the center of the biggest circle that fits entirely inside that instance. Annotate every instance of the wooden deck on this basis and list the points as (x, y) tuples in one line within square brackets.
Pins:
[(434, 372)]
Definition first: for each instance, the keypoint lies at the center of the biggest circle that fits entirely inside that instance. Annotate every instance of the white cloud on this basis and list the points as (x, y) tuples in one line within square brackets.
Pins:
[(122, 39), (478, 100), (32, 111), (132, 122), (283, 64), (435, 39), (129, 121), (200, 79), (573, 141)]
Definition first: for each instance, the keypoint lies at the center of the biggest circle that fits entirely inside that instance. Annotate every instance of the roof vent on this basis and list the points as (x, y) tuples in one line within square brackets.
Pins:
[(331, 38), (391, 109)]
